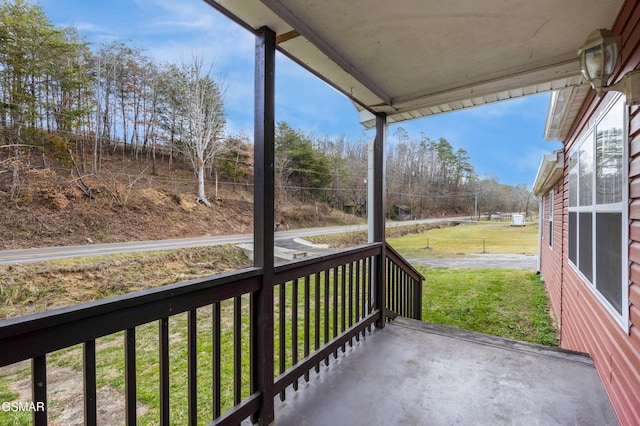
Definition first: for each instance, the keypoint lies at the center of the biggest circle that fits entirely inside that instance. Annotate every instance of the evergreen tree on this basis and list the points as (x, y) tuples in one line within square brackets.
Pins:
[(299, 165)]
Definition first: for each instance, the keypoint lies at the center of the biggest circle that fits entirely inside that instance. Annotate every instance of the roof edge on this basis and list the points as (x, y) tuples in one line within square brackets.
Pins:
[(564, 107), (549, 173)]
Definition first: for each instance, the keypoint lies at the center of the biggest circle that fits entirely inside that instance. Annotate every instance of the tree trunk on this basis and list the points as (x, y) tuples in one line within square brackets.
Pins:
[(15, 178), (44, 158), (201, 195), (153, 158)]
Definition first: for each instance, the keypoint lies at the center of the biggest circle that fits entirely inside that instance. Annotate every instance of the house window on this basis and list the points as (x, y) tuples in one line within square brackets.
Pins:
[(542, 218), (551, 198), (597, 234)]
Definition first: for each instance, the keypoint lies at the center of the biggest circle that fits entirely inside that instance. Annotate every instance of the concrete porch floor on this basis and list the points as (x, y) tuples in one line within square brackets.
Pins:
[(414, 373)]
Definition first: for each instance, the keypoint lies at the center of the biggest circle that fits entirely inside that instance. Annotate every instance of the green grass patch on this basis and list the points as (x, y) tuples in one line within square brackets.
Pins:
[(11, 418), (473, 238), (510, 303)]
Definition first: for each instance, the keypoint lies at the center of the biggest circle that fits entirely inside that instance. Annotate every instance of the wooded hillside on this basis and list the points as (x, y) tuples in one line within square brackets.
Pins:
[(68, 109)]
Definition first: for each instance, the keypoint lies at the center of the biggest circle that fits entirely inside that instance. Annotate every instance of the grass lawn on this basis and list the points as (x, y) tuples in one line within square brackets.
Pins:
[(456, 241), (510, 303)]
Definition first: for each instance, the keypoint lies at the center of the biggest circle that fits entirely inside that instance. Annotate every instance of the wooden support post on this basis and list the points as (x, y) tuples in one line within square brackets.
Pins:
[(376, 211), (263, 234), (39, 389)]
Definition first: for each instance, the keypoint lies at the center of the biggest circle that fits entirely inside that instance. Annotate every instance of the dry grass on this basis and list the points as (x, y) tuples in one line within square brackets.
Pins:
[(38, 287), (350, 239), (488, 237)]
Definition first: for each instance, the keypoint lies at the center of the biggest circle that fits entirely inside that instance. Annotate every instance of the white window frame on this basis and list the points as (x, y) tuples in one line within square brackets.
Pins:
[(589, 136), (542, 217), (551, 202)]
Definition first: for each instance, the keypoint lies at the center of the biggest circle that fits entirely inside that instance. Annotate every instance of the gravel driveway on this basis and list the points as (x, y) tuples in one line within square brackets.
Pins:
[(488, 260), (525, 261)]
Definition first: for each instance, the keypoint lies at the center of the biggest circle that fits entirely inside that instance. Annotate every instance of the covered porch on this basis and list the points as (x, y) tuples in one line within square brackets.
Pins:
[(414, 373), (411, 60), (326, 339)]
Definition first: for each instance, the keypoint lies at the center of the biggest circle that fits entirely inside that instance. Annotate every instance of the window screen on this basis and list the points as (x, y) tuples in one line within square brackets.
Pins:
[(609, 257), (573, 233), (585, 248)]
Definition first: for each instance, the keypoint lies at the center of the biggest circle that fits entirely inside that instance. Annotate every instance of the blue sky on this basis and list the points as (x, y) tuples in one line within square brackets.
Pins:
[(505, 140)]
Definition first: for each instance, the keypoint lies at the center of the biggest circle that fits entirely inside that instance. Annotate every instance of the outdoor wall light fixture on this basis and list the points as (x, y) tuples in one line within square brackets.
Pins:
[(599, 58)]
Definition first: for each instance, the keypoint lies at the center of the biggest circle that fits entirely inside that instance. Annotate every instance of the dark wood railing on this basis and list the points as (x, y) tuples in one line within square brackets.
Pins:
[(321, 305), (404, 287)]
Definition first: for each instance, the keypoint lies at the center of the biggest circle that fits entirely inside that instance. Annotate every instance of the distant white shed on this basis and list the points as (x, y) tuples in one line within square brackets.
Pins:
[(517, 220)]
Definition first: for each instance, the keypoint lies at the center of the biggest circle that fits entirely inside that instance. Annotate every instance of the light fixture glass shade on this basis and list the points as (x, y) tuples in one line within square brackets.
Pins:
[(592, 66), (599, 57)]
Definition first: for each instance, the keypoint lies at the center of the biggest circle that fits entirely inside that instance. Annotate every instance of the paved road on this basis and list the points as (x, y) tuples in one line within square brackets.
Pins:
[(51, 253)]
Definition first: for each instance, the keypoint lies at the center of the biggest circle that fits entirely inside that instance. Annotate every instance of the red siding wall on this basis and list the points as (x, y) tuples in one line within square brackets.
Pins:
[(586, 325), (551, 256)]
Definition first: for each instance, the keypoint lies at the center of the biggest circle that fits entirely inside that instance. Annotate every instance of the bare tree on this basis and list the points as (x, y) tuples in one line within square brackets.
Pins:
[(199, 101)]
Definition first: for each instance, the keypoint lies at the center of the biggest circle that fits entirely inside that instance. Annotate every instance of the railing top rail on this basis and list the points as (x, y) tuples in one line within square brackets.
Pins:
[(297, 268), (408, 268), (24, 324), (38, 334)]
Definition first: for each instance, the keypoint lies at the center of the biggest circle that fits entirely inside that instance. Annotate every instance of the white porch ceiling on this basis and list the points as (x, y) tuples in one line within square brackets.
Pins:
[(414, 58)]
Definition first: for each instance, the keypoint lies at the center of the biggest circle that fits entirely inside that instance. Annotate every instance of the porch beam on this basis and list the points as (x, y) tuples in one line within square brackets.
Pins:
[(263, 234)]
